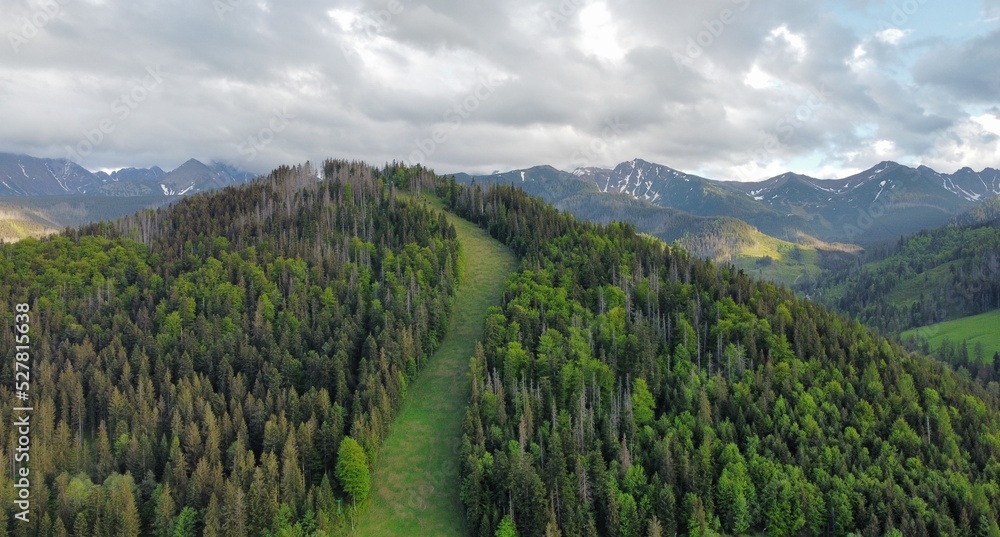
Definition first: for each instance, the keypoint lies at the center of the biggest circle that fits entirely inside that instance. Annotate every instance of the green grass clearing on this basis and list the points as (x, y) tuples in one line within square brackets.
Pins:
[(983, 329), (778, 261), (416, 481), (13, 230)]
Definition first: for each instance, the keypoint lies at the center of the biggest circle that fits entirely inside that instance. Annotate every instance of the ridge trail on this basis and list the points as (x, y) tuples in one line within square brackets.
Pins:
[(415, 483)]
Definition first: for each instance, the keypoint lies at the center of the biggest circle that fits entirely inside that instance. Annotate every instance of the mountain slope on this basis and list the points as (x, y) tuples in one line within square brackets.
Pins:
[(929, 277), (200, 367), (21, 175), (971, 342), (627, 389)]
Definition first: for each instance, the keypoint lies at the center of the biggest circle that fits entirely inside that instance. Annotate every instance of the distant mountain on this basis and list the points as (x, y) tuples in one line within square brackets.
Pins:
[(193, 176), (878, 204), (935, 275), (587, 195), (551, 184), (667, 187), (137, 174), (23, 176), (968, 183)]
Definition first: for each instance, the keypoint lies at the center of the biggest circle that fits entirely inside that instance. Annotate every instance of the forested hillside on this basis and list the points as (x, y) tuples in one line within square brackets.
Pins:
[(926, 278), (228, 365), (23, 217), (626, 389)]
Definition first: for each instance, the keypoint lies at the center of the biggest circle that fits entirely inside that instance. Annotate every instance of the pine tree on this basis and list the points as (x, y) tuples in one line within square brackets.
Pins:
[(212, 518), (642, 402), (186, 523), (292, 482), (59, 529), (352, 469), (506, 528), (122, 511), (234, 517), (80, 526), (164, 510)]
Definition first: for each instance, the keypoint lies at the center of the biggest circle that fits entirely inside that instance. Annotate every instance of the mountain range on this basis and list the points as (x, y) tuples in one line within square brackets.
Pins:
[(27, 176), (750, 224), (292, 318), (880, 203)]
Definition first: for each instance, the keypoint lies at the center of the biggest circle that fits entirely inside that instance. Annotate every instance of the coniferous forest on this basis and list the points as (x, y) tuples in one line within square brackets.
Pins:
[(931, 276), (228, 365), (231, 364), (626, 389)]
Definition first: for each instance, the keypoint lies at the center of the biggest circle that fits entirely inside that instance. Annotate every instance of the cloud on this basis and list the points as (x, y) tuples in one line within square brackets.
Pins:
[(796, 43), (892, 36), (971, 141), (991, 10), (989, 121), (713, 86), (966, 70)]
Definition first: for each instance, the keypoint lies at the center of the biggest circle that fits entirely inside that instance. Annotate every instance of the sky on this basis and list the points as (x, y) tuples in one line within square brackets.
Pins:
[(727, 89)]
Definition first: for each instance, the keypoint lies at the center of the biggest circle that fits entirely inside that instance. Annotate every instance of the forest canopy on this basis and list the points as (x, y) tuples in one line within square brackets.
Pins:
[(197, 369), (626, 389)]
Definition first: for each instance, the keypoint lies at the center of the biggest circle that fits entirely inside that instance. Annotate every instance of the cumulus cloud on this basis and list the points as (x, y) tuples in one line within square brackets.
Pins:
[(734, 89), (966, 70), (892, 35)]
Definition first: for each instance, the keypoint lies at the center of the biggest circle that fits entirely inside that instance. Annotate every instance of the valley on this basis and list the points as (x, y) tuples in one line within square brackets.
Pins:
[(945, 277), (37, 216)]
